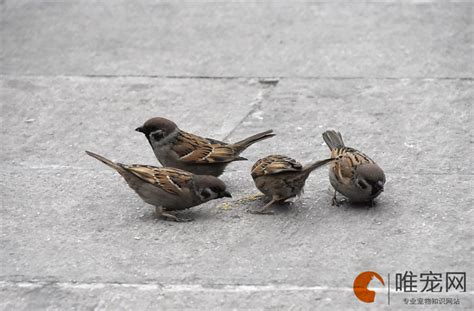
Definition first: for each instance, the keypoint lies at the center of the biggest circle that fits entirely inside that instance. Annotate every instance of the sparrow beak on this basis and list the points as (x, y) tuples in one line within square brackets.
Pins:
[(139, 129), (225, 194), (380, 185)]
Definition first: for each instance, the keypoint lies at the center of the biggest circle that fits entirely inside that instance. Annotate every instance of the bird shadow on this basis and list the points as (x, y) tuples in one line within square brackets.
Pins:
[(284, 208), (360, 206), (151, 217)]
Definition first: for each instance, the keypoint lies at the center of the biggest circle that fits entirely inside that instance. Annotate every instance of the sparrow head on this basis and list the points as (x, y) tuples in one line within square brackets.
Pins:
[(370, 179), (157, 128), (210, 188)]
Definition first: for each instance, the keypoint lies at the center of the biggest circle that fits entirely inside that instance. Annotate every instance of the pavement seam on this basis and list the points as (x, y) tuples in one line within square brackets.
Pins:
[(179, 288), (175, 287), (204, 77)]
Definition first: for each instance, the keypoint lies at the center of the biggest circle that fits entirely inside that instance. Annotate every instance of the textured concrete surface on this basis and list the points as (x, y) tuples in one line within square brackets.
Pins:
[(237, 39), (394, 78)]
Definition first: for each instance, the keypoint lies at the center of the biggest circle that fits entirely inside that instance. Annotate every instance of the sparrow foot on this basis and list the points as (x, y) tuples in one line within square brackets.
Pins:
[(262, 211), (170, 217), (335, 201), (265, 209)]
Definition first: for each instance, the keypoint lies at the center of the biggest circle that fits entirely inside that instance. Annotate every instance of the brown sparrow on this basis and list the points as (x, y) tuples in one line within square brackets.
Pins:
[(168, 189), (174, 147), (354, 174), (279, 178)]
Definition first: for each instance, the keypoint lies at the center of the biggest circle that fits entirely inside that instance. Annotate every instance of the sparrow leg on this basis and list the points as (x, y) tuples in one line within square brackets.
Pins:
[(266, 199), (334, 201), (169, 217), (265, 209)]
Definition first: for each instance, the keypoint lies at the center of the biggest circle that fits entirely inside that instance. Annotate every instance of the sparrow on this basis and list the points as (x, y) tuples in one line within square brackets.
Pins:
[(354, 175), (168, 189), (280, 177), (174, 147)]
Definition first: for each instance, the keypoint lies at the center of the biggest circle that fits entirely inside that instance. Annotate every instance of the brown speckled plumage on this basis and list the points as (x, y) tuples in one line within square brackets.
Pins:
[(205, 156), (354, 174), (280, 177), (167, 188)]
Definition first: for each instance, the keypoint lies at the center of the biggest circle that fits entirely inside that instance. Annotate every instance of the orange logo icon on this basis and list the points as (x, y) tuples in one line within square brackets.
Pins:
[(361, 283)]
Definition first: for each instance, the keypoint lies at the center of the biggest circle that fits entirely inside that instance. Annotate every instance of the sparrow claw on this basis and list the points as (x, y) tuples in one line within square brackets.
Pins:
[(178, 219), (336, 202), (262, 211), (170, 217)]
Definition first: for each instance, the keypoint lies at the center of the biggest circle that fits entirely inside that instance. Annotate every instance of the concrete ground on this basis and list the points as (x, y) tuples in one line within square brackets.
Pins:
[(395, 78)]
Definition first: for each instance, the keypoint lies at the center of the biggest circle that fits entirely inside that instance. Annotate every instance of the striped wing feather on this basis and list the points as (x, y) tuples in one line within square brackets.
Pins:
[(275, 164), (170, 180), (349, 158), (194, 149)]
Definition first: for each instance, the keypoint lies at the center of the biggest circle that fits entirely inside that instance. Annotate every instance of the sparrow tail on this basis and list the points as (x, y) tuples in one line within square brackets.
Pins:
[(244, 144), (333, 139), (311, 167), (115, 166)]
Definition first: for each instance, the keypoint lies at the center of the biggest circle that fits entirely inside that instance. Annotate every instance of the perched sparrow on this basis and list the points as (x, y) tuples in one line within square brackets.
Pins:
[(168, 189), (280, 177), (204, 156), (354, 174)]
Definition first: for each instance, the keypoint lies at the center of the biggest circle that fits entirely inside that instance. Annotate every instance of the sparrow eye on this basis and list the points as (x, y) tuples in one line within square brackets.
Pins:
[(205, 194), (362, 184), (158, 135)]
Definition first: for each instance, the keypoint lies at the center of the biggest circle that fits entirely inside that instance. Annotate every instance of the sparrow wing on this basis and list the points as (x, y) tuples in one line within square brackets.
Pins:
[(170, 180), (215, 141), (194, 149), (343, 169), (349, 158), (275, 164)]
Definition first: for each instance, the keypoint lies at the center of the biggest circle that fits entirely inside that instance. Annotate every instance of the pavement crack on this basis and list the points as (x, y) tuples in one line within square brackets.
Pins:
[(256, 104)]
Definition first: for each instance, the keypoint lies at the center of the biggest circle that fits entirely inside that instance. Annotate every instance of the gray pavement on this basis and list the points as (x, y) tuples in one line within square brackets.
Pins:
[(394, 78)]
